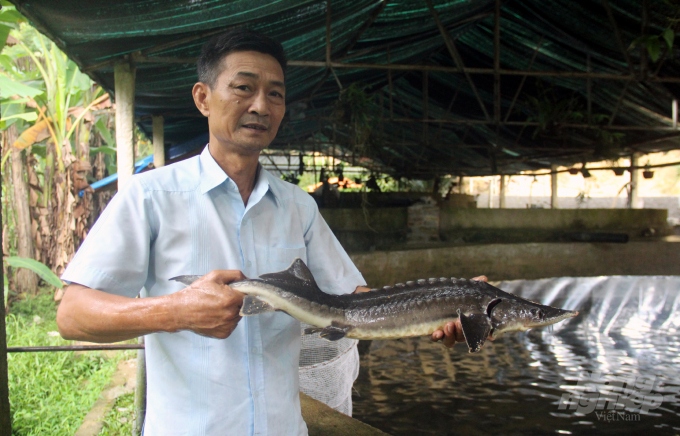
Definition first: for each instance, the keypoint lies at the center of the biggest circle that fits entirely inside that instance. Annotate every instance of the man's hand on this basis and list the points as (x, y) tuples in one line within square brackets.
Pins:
[(209, 306), (452, 332)]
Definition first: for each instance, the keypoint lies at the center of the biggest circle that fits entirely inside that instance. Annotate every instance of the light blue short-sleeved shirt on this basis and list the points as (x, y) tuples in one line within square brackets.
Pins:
[(189, 218)]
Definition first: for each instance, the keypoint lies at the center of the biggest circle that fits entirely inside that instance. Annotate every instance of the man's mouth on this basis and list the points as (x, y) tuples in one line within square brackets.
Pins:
[(255, 126)]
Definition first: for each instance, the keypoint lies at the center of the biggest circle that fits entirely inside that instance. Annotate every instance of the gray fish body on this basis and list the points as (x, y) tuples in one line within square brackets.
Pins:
[(403, 310)]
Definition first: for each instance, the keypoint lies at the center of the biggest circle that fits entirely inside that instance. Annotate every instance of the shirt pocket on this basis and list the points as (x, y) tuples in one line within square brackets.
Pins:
[(280, 259)]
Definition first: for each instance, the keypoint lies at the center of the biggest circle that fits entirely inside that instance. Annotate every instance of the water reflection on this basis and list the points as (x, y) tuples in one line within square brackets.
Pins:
[(592, 373)]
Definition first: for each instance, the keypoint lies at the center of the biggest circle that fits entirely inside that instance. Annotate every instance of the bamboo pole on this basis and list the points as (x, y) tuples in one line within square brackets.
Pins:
[(124, 76)]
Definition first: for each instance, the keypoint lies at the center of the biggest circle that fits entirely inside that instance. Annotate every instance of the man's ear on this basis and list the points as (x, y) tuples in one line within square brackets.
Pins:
[(201, 92)]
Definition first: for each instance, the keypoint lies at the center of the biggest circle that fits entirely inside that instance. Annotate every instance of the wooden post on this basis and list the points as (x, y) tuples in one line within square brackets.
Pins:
[(124, 78), (158, 142), (140, 392), (501, 194), (554, 202), (634, 174), (5, 416)]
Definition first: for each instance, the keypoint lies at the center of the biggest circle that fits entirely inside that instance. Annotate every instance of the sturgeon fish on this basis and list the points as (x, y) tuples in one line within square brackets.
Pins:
[(414, 308)]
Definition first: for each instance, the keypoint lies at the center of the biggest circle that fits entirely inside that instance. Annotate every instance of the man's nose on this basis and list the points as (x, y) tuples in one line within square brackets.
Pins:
[(259, 105)]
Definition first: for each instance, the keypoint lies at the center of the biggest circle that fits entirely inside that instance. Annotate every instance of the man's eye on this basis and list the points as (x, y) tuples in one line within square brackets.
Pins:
[(243, 87)]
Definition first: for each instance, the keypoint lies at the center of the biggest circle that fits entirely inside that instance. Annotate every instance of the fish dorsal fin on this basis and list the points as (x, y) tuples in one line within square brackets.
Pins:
[(297, 269), (297, 280)]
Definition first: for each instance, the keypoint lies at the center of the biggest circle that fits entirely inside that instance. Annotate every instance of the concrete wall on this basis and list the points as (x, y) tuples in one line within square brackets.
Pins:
[(367, 229), (387, 228), (553, 219), (521, 261)]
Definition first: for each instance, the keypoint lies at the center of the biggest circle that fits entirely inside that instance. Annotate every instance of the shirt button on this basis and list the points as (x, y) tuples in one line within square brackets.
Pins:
[(249, 263)]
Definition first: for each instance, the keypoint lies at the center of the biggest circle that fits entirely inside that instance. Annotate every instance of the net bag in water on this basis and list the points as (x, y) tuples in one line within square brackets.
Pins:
[(328, 370)]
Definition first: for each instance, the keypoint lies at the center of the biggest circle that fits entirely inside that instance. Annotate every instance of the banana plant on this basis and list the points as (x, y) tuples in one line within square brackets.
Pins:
[(53, 107)]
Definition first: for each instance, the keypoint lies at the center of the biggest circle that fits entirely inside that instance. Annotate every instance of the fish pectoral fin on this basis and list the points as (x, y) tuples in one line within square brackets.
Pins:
[(253, 306), (334, 332), (312, 330), (186, 279), (476, 328)]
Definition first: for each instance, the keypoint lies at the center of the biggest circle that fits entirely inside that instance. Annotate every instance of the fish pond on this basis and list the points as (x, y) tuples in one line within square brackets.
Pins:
[(613, 369)]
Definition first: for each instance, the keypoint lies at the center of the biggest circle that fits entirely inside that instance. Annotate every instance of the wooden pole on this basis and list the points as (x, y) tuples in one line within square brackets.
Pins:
[(124, 77), (5, 416), (140, 392), (501, 193), (634, 177), (158, 141), (554, 202)]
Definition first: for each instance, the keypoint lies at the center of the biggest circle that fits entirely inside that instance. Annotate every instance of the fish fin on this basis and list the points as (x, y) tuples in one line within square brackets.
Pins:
[(297, 269), (334, 332), (253, 305), (476, 328), (312, 330), (186, 279)]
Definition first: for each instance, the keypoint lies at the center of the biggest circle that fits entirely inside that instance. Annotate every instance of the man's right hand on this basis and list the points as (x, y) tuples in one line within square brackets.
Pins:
[(209, 306)]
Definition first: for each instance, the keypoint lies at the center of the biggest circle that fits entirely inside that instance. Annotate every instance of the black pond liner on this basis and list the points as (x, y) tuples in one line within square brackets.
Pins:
[(613, 369)]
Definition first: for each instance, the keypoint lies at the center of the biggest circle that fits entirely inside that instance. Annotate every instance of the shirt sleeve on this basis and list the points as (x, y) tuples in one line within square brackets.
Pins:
[(114, 257), (333, 270)]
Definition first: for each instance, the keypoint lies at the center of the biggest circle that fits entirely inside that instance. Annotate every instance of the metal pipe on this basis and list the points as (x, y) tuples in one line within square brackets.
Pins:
[(74, 348)]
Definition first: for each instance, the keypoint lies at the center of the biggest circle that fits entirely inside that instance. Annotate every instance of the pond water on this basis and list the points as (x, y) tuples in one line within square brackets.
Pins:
[(613, 369)]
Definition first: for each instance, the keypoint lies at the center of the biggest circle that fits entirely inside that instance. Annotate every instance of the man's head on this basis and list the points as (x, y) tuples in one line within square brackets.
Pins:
[(241, 91), (210, 65)]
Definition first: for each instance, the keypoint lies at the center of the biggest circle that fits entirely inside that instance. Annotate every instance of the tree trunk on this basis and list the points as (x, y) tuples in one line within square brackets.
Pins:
[(26, 280)]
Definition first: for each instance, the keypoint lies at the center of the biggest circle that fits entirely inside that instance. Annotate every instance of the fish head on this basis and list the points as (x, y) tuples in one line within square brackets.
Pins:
[(518, 314)]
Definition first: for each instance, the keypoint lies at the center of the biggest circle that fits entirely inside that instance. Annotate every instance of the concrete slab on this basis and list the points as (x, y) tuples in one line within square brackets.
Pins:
[(323, 421)]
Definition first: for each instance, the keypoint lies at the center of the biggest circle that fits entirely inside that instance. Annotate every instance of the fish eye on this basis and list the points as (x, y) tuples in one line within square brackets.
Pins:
[(537, 312)]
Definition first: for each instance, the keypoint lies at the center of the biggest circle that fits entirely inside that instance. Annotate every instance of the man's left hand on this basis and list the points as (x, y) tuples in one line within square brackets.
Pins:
[(452, 332)]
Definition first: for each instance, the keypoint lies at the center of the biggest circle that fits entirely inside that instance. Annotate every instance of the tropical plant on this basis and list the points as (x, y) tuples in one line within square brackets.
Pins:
[(49, 109)]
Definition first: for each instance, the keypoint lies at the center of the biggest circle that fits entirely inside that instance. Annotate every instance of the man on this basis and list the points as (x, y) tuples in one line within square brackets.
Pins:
[(222, 215)]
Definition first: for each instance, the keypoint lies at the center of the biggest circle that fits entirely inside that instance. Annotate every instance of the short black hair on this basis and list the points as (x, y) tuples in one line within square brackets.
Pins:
[(238, 39)]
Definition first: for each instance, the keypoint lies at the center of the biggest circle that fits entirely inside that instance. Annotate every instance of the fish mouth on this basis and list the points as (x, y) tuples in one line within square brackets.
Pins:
[(553, 318)]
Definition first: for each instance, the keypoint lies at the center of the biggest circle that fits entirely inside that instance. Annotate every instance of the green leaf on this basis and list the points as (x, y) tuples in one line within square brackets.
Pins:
[(4, 33), (103, 149), (37, 267), (654, 49), (9, 14), (26, 116), (103, 130), (668, 35), (10, 87)]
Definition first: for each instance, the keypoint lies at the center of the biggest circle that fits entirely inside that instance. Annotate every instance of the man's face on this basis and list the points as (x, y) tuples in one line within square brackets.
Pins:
[(246, 103)]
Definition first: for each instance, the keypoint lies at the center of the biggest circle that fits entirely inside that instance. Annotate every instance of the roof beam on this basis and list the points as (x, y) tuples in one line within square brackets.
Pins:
[(368, 23), (617, 35), (139, 59), (455, 55)]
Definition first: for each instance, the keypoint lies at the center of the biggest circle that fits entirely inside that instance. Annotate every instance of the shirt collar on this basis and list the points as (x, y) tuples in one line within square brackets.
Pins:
[(212, 175)]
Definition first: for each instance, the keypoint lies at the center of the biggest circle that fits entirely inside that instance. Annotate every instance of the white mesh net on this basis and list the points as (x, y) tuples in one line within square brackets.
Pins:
[(328, 370)]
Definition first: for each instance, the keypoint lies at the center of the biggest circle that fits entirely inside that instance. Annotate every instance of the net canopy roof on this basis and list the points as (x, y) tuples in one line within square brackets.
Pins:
[(414, 88)]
